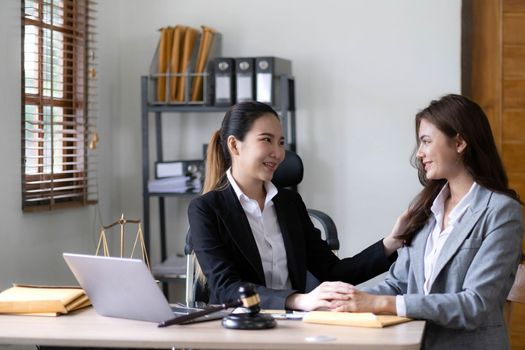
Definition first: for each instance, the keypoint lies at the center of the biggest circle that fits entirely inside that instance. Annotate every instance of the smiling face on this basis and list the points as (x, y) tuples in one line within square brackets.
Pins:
[(439, 154), (256, 158)]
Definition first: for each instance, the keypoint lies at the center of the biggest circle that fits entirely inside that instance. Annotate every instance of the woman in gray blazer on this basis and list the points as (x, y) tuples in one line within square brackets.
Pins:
[(463, 235)]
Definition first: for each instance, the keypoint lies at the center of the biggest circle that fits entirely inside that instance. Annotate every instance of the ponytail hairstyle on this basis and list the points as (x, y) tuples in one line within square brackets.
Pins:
[(456, 115), (237, 122), (215, 164)]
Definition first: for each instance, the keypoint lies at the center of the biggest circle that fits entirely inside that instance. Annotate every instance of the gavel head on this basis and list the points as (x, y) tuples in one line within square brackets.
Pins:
[(252, 319), (249, 298)]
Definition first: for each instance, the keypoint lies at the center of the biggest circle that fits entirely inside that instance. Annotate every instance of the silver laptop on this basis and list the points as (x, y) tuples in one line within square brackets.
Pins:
[(124, 288)]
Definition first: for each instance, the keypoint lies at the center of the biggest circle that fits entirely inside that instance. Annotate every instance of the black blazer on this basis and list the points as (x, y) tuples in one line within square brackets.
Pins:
[(227, 253)]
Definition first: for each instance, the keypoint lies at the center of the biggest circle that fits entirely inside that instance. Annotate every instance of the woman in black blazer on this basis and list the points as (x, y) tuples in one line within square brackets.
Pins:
[(245, 230)]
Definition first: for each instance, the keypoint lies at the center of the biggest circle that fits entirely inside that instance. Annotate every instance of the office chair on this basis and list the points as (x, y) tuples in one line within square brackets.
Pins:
[(288, 174), (517, 292)]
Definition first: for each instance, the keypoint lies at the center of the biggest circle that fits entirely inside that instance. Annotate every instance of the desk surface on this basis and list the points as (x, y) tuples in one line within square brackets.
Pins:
[(86, 328)]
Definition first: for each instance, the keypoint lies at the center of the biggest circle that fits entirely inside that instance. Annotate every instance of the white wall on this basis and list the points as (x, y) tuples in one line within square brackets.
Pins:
[(31, 244), (362, 69)]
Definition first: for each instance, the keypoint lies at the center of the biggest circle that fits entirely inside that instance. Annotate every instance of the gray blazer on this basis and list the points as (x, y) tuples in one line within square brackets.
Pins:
[(473, 276)]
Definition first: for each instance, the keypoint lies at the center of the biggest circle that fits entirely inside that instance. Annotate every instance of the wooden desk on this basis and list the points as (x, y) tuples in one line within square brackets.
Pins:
[(87, 329)]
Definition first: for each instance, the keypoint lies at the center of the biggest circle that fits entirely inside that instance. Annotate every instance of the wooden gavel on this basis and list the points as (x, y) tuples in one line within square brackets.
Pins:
[(248, 299)]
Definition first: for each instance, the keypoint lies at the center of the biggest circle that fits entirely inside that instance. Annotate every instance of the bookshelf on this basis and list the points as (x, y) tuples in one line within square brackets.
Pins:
[(159, 111)]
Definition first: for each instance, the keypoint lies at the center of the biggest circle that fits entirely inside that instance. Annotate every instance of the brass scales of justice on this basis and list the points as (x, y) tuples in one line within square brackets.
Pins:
[(139, 239)]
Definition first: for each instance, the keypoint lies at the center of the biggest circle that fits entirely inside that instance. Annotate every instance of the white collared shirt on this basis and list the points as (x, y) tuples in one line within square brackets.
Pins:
[(267, 234), (437, 238)]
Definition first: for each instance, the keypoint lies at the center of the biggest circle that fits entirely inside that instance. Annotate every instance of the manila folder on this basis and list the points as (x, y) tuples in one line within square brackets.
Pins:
[(357, 319), (38, 299)]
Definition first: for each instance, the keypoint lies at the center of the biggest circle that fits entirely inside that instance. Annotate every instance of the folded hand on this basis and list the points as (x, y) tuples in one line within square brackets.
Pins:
[(321, 297), (359, 301)]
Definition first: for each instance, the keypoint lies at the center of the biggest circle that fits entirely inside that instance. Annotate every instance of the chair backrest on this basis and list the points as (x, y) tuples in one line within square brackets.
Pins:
[(290, 174), (517, 292), (290, 171), (190, 269)]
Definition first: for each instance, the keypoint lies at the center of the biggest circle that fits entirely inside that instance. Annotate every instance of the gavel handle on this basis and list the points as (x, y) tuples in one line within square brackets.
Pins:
[(209, 310)]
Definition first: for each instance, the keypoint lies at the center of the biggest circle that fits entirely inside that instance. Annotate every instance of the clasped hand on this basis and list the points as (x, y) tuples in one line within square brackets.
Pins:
[(340, 296), (321, 297), (359, 301)]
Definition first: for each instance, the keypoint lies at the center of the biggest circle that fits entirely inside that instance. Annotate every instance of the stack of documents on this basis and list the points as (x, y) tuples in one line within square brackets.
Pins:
[(42, 300), (193, 167), (175, 184), (357, 319)]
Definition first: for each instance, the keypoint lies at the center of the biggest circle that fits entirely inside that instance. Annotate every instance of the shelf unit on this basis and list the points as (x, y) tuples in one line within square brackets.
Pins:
[(286, 112)]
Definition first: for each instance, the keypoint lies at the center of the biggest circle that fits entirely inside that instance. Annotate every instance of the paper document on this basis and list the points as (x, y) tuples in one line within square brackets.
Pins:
[(23, 299), (357, 319)]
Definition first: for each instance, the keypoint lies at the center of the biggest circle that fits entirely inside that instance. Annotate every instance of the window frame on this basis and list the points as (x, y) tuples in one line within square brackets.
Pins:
[(72, 171)]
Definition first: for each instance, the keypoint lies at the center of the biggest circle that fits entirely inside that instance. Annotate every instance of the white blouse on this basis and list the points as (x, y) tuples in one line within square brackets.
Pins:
[(267, 234)]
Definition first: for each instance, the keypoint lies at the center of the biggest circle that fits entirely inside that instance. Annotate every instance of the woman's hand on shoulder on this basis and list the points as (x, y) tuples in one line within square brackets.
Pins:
[(321, 297), (393, 241)]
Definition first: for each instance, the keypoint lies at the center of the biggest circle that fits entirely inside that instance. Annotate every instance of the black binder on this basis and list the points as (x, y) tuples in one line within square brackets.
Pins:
[(268, 72), (245, 79), (224, 68)]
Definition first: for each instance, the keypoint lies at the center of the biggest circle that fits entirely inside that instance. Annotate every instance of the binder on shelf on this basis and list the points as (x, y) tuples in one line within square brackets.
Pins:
[(192, 167), (224, 68), (179, 176), (268, 71), (245, 79), (175, 184)]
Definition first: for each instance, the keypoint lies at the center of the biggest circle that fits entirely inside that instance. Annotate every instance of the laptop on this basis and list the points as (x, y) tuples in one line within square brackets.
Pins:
[(125, 288)]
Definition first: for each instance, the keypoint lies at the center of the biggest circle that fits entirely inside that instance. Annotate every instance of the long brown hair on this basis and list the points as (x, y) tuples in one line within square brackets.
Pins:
[(237, 122), (457, 115)]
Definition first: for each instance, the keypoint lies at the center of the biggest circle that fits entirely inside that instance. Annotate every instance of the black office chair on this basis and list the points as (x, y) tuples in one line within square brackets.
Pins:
[(289, 174)]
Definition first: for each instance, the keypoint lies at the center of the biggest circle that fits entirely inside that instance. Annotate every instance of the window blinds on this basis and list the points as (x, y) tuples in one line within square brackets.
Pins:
[(59, 113)]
